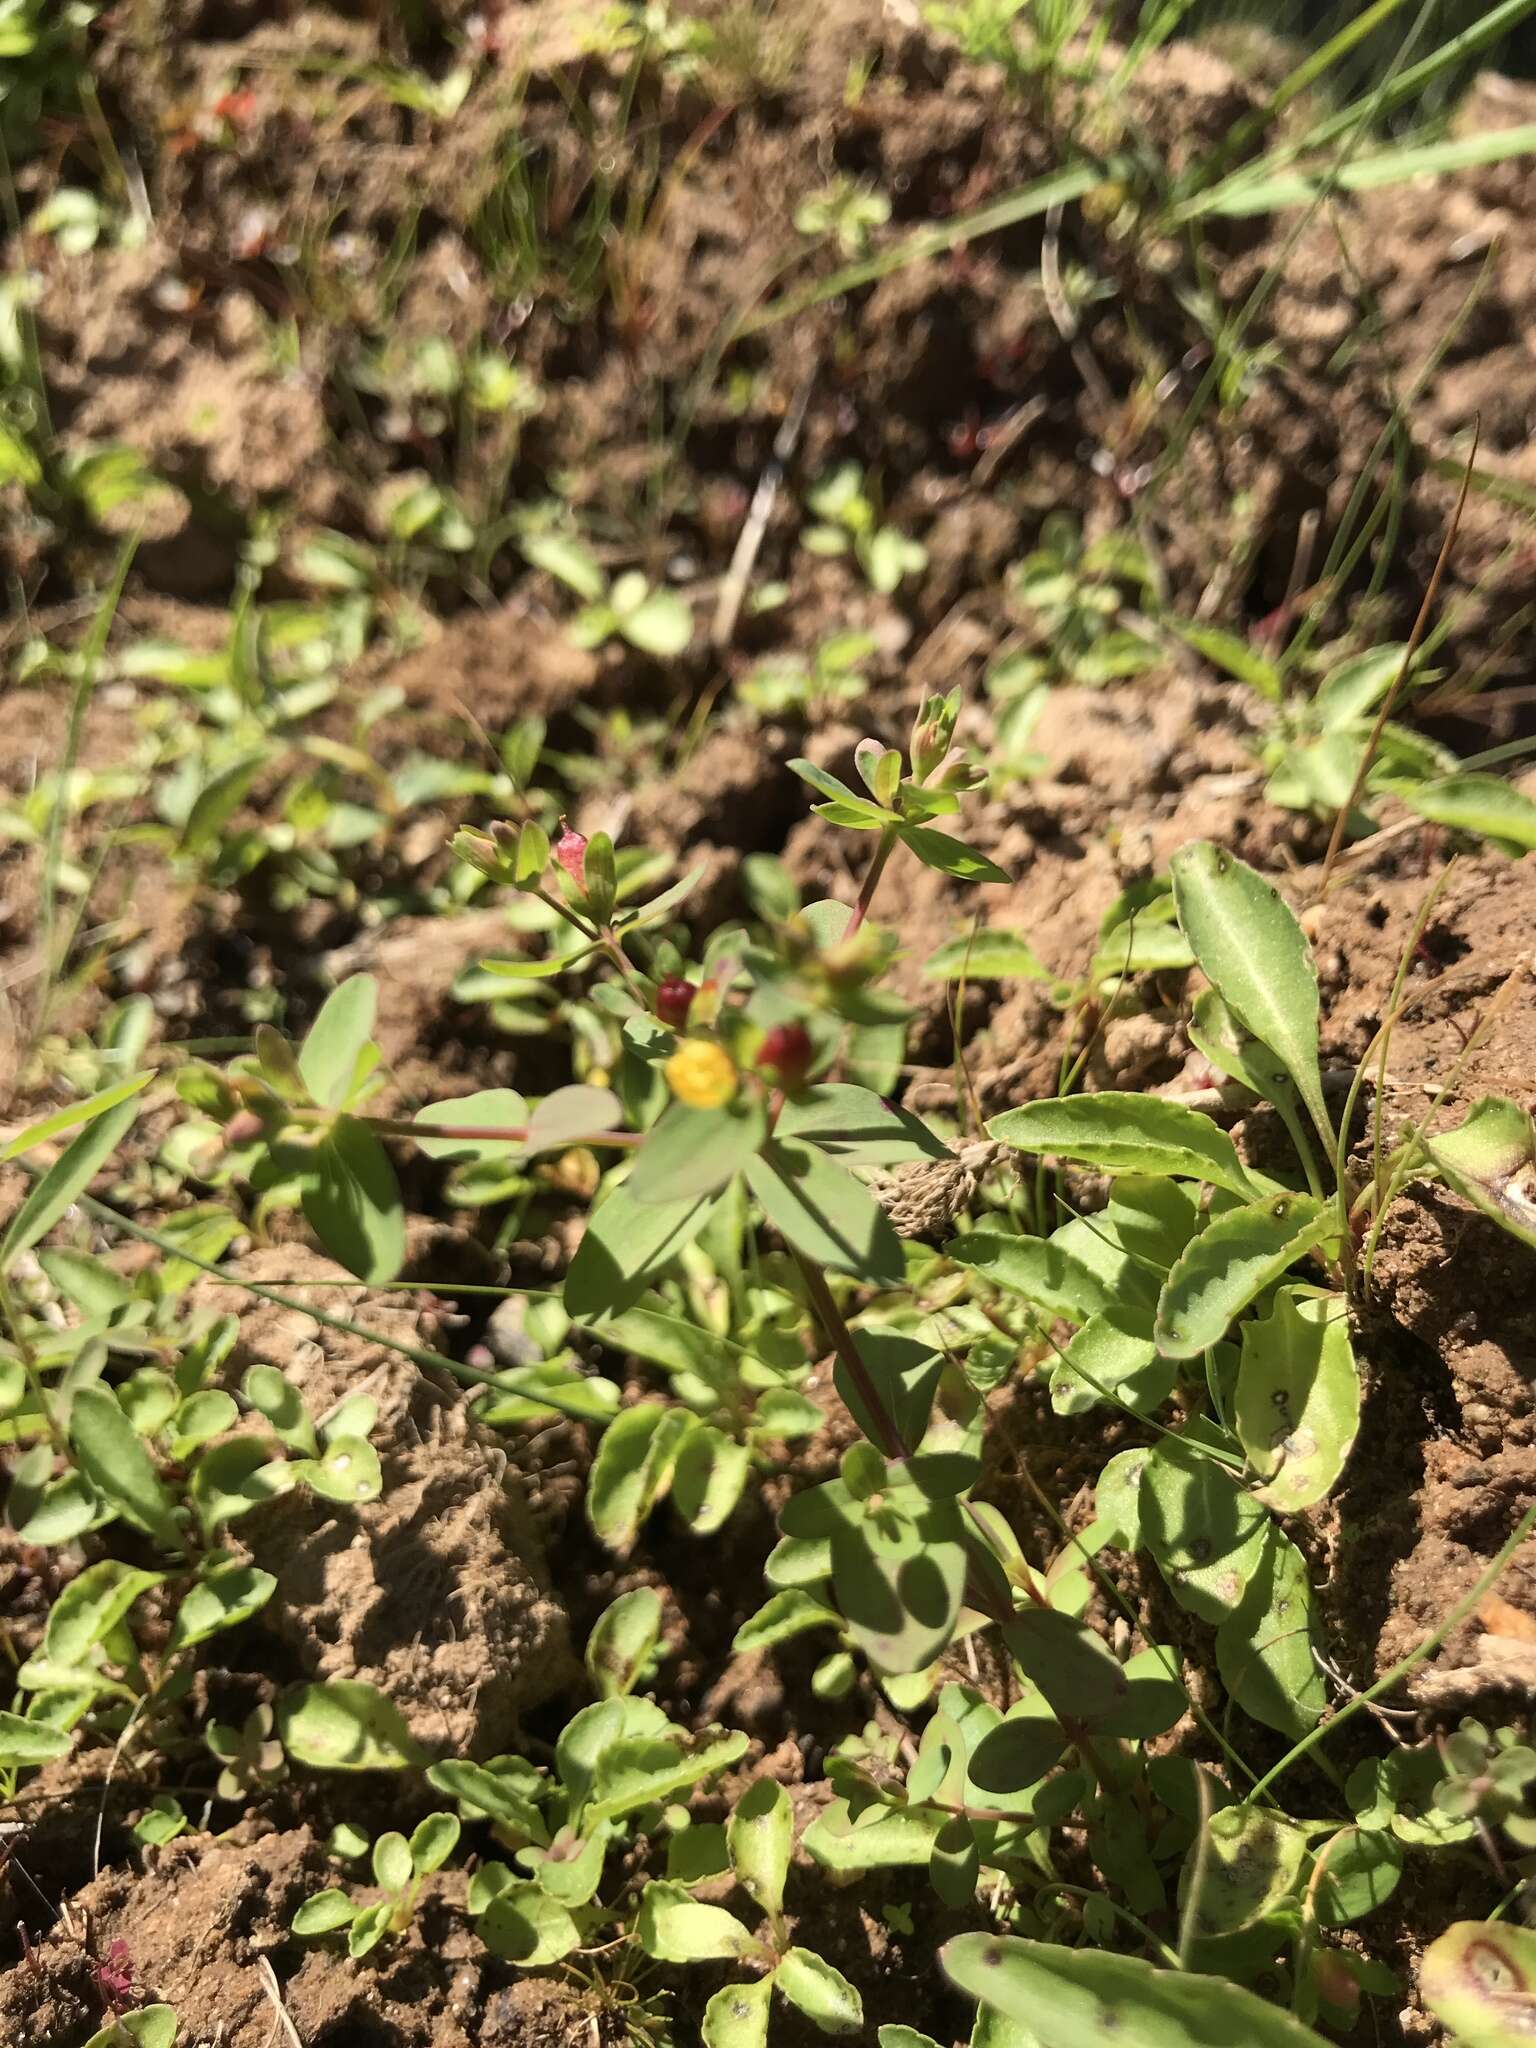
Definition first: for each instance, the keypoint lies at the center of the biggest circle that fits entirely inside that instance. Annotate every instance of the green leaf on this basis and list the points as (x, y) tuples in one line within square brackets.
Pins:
[(330, 1055), (1076, 1672), (650, 1770), (1227, 651), (857, 1127), (524, 1925), (882, 1838), (826, 1215), (898, 1576), (25, 1743), (566, 559), (68, 1177), (1246, 1862), (341, 1724), (1264, 1648), (823, 1994), (272, 1394), (760, 1833), (1069, 1991), (672, 1927), (623, 1641), (66, 1119), (708, 1478), (392, 1868), (1017, 1753), (625, 1245), (498, 1108), (1125, 1133), (1484, 804), (1256, 956), (91, 1606), (152, 2026), (955, 1866), (231, 1478), (572, 1115), (353, 1203), (368, 1929), (538, 970), (661, 624), (694, 1152), (1113, 1359), (1356, 686), (348, 1469), (1488, 1159), (324, 1913), (785, 1614), (990, 955), (1206, 1533), (1230, 1264), (1479, 1980), (489, 1793), (1360, 1870), (949, 856), (904, 2037), (737, 2017), (633, 1469), (1044, 1273), (1231, 1050), (223, 1599), (115, 1462), (1298, 1398)]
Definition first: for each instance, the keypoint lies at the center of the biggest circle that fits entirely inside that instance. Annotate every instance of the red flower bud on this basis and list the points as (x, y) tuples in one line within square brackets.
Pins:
[(243, 1128), (672, 1000), (571, 852), (786, 1054)]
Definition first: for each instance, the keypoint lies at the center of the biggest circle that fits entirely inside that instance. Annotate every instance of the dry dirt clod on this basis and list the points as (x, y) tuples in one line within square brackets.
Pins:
[(436, 1592)]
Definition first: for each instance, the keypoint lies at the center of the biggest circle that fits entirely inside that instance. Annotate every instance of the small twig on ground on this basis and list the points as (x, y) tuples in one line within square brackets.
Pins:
[(733, 590), (283, 2022)]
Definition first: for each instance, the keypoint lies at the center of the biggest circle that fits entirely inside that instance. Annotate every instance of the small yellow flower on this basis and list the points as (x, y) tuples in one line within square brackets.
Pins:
[(701, 1074)]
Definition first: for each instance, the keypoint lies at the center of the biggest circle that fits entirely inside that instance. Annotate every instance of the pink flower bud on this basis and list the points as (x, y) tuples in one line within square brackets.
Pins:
[(571, 852)]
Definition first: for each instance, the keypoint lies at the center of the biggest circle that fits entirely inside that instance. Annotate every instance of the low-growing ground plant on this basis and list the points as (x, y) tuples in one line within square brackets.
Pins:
[(753, 1200)]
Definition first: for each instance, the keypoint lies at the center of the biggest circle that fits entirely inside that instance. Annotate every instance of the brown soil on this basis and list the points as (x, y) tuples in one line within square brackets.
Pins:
[(462, 1591)]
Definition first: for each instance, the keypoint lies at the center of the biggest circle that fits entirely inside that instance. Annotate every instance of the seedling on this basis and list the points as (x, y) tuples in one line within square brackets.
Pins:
[(1077, 605), (844, 212), (399, 1866), (674, 1927), (655, 621), (849, 521)]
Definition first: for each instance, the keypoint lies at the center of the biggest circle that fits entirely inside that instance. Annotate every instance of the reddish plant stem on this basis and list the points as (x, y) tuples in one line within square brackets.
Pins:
[(883, 853), (840, 1337), (511, 1134)]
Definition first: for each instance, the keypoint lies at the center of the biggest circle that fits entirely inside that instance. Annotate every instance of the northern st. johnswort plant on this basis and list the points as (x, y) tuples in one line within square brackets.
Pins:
[(754, 1205)]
